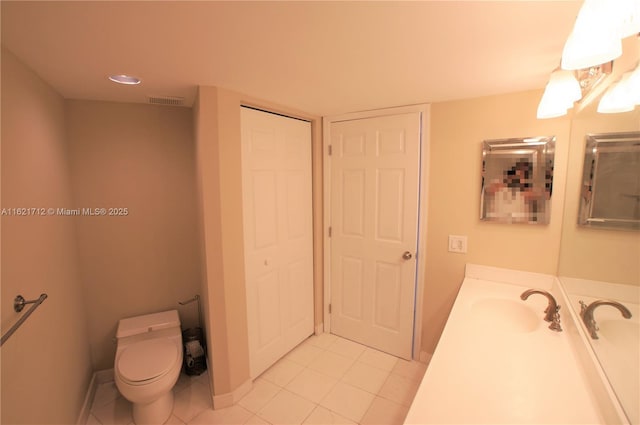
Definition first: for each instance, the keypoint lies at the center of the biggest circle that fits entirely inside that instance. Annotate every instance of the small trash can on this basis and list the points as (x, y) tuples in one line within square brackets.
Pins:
[(195, 354)]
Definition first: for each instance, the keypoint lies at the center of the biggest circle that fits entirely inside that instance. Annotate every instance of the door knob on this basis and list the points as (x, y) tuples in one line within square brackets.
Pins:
[(406, 255)]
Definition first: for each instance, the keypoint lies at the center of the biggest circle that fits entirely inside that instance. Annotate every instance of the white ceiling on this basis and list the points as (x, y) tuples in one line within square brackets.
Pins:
[(320, 57)]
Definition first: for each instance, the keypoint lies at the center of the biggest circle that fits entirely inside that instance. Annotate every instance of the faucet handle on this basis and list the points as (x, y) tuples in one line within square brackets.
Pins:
[(555, 323), (583, 306)]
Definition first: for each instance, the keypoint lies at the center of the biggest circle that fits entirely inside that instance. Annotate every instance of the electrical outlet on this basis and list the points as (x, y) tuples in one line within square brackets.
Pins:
[(458, 244)]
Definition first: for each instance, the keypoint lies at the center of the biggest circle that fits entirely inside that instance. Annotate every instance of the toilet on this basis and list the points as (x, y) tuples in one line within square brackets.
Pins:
[(148, 363)]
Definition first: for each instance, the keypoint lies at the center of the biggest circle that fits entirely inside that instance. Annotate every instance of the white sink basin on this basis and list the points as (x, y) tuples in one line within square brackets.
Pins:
[(624, 333), (503, 314), (498, 363)]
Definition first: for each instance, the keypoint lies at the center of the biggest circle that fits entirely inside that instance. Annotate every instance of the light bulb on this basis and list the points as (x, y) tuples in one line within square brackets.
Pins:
[(616, 99), (550, 107), (596, 36)]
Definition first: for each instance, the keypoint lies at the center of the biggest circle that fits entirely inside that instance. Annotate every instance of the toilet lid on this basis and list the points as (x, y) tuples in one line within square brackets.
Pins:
[(147, 359)]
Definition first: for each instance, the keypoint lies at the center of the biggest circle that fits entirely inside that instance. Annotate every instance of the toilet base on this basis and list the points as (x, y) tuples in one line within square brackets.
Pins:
[(154, 413)]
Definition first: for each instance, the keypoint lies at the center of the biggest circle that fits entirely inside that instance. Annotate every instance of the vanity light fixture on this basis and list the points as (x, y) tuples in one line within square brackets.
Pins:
[(590, 77), (549, 107), (587, 48), (633, 82), (630, 15), (615, 100), (566, 87), (125, 79), (598, 32), (594, 42), (623, 95), (561, 92)]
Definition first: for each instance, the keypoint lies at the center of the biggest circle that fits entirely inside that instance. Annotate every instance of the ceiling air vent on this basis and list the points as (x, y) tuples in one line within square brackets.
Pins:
[(166, 100)]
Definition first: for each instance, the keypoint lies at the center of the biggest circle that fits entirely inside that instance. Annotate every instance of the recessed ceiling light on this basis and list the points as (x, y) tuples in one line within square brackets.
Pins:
[(124, 79)]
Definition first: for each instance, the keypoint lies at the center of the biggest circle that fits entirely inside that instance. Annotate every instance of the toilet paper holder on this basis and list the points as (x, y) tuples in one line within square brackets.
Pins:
[(189, 301)]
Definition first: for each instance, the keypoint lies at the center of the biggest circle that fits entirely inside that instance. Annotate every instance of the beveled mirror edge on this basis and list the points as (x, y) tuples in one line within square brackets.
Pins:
[(544, 147), (585, 217)]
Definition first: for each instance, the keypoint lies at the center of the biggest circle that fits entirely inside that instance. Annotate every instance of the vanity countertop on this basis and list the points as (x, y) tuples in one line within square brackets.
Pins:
[(498, 362)]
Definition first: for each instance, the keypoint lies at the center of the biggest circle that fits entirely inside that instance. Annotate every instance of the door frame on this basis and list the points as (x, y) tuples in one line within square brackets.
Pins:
[(424, 110)]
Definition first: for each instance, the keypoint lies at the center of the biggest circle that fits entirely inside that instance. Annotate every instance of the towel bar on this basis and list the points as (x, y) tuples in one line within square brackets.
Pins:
[(18, 304)]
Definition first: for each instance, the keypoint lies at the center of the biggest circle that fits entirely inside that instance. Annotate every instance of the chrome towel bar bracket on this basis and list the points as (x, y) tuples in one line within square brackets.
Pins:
[(18, 304)]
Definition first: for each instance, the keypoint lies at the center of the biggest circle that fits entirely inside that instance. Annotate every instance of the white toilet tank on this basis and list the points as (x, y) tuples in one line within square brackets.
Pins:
[(132, 329)]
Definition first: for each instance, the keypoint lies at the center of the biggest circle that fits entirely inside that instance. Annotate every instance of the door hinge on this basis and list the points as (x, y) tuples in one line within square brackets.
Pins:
[(329, 308), (330, 150), (330, 232)]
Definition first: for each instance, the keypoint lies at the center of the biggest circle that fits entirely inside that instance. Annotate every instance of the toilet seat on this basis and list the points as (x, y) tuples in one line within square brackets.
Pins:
[(147, 361)]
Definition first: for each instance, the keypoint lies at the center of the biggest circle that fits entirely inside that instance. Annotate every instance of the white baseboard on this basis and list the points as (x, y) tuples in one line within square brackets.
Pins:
[(88, 400), (104, 376), (425, 357), (99, 377), (221, 401)]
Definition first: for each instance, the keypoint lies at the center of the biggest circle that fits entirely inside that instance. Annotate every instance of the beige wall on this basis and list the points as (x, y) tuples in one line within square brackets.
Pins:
[(217, 122), (457, 131), (184, 198), (46, 364), (596, 254), (139, 157), (224, 303)]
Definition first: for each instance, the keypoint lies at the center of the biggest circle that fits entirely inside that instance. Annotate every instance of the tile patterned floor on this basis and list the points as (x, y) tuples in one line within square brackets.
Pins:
[(325, 380)]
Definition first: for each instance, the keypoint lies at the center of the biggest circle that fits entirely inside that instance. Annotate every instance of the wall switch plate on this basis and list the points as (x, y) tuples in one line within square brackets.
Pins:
[(458, 244)]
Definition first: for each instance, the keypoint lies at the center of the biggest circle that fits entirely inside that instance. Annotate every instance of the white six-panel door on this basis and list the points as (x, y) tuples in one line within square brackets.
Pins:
[(278, 240), (374, 218)]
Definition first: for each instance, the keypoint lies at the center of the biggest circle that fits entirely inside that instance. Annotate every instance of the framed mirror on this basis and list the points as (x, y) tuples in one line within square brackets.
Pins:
[(601, 262), (610, 193), (517, 180)]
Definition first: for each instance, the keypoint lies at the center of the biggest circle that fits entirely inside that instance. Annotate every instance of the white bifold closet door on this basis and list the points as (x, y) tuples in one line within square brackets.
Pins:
[(278, 239)]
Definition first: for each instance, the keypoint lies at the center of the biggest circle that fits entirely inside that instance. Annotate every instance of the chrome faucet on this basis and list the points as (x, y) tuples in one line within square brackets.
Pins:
[(552, 312), (586, 312)]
